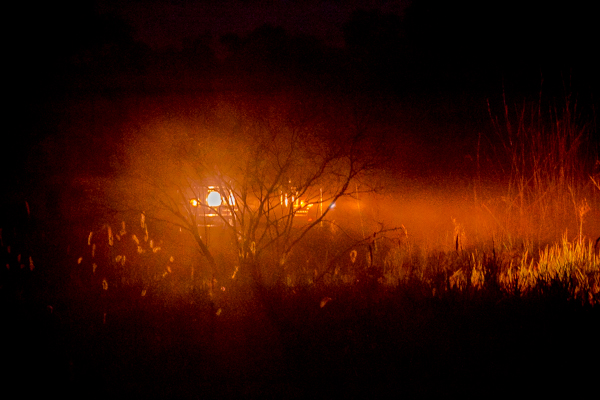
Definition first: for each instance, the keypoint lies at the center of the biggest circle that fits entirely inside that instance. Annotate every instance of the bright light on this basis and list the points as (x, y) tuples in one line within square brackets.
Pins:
[(194, 202), (214, 199), (231, 199)]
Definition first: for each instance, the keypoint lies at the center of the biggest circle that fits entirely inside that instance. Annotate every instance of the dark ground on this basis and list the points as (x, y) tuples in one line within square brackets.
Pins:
[(365, 342)]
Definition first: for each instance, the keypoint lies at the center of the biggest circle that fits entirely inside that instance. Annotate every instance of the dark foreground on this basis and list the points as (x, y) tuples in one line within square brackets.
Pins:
[(366, 342)]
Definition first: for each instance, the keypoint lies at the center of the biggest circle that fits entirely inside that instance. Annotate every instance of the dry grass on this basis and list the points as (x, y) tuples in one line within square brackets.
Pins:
[(544, 155)]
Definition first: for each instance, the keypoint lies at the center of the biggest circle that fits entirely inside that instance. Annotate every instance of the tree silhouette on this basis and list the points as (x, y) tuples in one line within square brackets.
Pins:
[(263, 170)]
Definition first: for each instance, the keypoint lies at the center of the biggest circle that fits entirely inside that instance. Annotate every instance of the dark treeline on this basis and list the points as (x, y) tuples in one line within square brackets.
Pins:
[(434, 45)]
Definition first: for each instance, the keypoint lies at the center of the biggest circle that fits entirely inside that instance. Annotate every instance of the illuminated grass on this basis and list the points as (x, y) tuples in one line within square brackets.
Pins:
[(568, 269), (544, 155), (571, 265)]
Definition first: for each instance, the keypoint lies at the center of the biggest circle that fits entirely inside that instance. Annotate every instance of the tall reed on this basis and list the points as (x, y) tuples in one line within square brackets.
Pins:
[(544, 156)]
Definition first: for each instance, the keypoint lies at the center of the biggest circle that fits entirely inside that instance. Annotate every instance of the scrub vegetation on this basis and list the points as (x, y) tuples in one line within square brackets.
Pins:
[(132, 309)]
